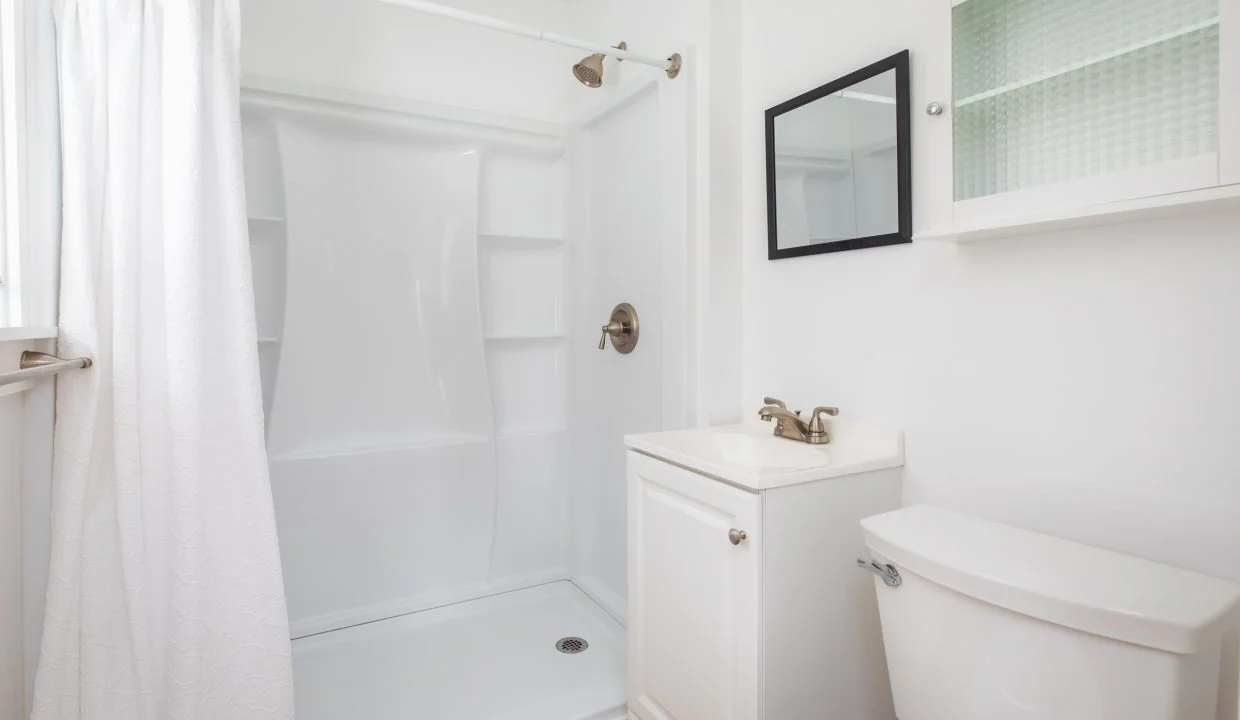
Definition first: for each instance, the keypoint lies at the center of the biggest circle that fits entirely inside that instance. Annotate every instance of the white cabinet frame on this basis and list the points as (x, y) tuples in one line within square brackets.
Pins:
[(1194, 184)]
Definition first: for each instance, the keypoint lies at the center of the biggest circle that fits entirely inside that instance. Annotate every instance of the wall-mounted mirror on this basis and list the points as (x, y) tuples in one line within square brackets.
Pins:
[(838, 164)]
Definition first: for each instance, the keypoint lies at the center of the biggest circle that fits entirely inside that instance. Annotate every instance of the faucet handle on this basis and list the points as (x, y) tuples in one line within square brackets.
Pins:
[(816, 424), (775, 401)]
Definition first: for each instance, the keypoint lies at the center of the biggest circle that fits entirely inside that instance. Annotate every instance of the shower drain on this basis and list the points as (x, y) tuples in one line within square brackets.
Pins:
[(571, 645)]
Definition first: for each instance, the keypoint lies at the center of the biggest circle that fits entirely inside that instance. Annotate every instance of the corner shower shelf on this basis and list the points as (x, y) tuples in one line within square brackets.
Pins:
[(1128, 50), (442, 439), (525, 433), (519, 239), (263, 227), (530, 432), (520, 337)]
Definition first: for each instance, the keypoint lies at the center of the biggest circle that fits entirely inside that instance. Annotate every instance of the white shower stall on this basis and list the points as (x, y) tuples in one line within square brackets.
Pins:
[(444, 433)]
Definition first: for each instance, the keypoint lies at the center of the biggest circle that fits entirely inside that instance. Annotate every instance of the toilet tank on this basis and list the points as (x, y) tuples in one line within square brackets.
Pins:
[(991, 622)]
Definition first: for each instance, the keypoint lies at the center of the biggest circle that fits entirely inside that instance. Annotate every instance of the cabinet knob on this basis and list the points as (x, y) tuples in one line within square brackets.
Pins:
[(934, 109), (736, 537)]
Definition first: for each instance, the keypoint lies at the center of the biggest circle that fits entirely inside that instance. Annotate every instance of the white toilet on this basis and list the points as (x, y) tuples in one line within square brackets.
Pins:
[(991, 622)]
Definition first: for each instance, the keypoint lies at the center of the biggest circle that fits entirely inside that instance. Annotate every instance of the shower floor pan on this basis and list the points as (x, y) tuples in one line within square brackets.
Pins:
[(489, 659)]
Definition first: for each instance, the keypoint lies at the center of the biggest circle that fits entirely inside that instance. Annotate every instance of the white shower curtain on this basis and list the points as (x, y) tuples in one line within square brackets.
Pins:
[(166, 599)]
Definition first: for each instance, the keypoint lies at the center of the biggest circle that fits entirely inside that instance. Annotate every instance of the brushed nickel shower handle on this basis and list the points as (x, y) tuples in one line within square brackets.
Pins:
[(623, 328), (614, 329)]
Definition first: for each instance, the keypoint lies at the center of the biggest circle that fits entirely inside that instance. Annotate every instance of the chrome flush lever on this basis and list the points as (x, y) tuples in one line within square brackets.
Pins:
[(888, 573)]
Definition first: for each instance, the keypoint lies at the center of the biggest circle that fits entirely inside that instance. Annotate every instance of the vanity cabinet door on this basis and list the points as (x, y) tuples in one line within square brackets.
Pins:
[(694, 586)]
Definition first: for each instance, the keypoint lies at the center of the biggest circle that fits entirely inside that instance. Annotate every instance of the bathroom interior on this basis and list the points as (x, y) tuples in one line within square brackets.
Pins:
[(538, 288)]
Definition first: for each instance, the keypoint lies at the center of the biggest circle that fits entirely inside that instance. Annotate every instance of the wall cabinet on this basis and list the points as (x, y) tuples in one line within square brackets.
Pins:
[(1072, 112), (746, 604)]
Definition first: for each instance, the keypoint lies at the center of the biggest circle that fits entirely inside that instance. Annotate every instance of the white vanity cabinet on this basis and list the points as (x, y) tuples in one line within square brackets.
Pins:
[(745, 601), (1072, 112)]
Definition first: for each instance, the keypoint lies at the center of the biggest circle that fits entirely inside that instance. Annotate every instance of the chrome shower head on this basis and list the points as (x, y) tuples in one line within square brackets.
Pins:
[(589, 71)]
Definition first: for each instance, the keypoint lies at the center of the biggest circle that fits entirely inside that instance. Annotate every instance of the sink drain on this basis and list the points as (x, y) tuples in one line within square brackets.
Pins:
[(571, 645)]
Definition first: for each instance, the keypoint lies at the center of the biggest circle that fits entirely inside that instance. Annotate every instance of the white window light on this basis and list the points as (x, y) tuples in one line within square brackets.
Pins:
[(12, 160)]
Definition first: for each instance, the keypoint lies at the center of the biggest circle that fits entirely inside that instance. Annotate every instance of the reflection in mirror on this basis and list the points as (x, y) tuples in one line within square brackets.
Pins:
[(834, 165)]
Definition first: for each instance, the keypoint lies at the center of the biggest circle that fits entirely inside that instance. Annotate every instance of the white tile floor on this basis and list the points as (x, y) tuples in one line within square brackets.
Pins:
[(488, 659)]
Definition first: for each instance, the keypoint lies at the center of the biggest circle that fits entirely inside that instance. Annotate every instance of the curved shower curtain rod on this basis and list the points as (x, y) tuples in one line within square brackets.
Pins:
[(671, 65)]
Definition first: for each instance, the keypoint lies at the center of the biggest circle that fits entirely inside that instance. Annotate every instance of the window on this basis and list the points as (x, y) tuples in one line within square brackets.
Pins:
[(12, 161)]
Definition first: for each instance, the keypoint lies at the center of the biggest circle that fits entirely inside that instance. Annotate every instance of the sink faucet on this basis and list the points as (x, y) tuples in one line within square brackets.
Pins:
[(790, 425)]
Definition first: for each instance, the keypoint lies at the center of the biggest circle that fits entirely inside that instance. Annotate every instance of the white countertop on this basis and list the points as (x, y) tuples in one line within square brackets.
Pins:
[(750, 456)]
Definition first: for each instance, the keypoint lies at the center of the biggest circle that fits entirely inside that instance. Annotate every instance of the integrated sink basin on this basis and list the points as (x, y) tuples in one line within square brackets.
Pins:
[(750, 456), (770, 452)]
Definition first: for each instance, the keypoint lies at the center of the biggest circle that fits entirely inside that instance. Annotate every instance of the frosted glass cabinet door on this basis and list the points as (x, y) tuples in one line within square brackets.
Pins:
[(1065, 103), (693, 595)]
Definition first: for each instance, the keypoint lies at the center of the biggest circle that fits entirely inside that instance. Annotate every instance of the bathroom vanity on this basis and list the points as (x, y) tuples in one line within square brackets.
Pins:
[(745, 600)]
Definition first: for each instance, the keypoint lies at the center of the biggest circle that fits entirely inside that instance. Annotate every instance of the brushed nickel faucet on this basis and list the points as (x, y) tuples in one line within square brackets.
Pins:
[(790, 425)]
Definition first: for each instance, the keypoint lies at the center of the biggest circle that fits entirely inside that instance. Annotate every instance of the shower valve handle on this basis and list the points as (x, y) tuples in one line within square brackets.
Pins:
[(622, 327), (614, 329)]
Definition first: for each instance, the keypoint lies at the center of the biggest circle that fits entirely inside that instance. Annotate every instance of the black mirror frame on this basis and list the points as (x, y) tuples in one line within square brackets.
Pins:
[(904, 165)]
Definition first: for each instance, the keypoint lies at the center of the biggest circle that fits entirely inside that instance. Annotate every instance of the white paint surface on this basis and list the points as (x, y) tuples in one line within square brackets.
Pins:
[(1080, 383)]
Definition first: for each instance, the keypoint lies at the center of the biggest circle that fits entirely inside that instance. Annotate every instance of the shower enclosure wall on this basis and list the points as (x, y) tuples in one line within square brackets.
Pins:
[(444, 434)]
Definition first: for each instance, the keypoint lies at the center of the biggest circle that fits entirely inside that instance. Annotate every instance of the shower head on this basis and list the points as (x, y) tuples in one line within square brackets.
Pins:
[(589, 71)]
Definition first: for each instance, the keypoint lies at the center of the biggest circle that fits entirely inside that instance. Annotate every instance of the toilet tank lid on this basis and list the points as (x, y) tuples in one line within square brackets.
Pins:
[(1063, 582)]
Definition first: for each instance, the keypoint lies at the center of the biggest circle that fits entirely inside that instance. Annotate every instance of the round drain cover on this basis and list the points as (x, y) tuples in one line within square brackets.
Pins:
[(571, 645)]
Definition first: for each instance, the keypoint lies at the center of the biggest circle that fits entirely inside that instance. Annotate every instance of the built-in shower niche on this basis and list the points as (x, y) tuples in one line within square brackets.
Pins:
[(522, 261), (521, 267), (268, 242)]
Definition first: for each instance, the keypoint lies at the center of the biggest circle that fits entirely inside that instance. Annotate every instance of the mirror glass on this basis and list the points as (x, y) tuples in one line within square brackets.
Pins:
[(834, 168)]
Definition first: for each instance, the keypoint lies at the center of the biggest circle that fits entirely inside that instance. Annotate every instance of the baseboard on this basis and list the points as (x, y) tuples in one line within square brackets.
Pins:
[(327, 622), (601, 593)]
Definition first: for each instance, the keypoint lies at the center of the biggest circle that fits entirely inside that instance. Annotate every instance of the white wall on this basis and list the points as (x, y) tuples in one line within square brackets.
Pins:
[(25, 490), (1081, 383), (11, 672)]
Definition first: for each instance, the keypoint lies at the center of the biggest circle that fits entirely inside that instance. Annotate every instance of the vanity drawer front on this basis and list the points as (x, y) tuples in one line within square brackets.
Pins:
[(694, 564)]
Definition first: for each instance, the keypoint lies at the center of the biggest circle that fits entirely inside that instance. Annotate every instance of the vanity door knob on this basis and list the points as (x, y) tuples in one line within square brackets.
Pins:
[(736, 537)]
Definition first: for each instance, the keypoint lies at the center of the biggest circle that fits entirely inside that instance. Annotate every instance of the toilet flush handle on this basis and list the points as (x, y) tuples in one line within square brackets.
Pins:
[(888, 573)]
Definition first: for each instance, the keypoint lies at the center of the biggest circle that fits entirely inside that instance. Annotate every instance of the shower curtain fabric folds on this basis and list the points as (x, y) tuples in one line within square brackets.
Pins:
[(165, 599)]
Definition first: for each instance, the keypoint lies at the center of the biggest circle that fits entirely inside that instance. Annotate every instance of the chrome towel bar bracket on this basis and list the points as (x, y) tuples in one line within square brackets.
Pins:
[(36, 365)]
